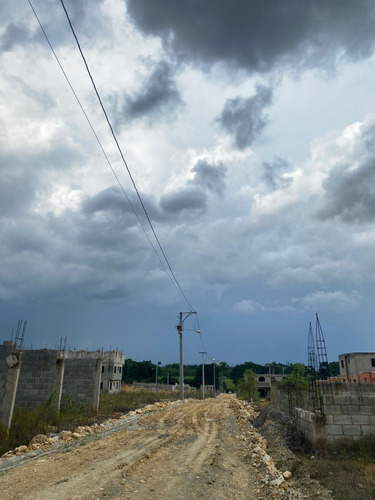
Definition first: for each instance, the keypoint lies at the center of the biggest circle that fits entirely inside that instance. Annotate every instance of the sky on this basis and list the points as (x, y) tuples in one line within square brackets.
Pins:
[(249, 130)]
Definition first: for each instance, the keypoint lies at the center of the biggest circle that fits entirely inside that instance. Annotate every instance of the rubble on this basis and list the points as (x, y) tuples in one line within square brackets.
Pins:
[(42, 442)]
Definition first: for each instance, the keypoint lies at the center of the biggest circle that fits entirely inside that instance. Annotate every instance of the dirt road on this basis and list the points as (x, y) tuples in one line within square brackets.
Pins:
[(196, 449)]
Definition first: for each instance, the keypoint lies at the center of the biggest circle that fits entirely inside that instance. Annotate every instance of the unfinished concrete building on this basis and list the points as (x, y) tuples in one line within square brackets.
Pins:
[(113, 363), (357, 367), (264, 381), (33, 377)]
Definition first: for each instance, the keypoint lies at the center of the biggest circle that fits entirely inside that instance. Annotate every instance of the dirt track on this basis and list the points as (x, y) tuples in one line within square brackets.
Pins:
[(199, 449)]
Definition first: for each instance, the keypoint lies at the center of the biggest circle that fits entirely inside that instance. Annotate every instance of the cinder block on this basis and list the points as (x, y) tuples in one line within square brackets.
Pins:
[(341, 400), (350, 409), (351, 430), (332, 410), (354, 400), (310, 417), (366, 400), (361, 419), (334, 430), (342, 419), (367, 429), (367, 410)]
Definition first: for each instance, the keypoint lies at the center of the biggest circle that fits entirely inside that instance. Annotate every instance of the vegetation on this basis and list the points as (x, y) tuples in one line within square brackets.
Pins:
[(349, 471), (247, 387), (298, 384)]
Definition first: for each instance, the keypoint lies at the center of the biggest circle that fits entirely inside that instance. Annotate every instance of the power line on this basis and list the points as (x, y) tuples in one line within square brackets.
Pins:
[(173, 280), (122, 156)]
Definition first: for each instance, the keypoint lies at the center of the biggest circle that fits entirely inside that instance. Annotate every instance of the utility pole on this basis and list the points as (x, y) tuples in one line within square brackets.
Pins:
[(213, 359), (156, 378), (180, 329), (203, 388)]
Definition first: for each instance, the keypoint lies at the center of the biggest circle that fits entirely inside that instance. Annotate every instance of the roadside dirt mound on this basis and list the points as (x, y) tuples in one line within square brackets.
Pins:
[(282, 437)]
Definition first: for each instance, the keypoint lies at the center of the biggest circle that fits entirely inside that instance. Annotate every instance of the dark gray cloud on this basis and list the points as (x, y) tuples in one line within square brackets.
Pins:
[(111, 204), (192, 199), (157, 96), (210, 176), (15, 34), (245, 118), (17, 190), (272, 173), (350, 192), (188, 200), (258, 36)]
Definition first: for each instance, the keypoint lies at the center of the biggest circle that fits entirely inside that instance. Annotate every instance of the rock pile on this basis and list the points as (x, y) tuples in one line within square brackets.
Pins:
[(43, 443)]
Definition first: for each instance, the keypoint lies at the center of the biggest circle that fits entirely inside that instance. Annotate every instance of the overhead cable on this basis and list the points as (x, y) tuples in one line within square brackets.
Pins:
[(122, 156), (169, 269)]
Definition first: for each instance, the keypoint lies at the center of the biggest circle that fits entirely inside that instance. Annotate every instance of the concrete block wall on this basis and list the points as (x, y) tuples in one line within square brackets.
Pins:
[(82, 380), (10, 365), (112, 367), (349, 417), (41, 376), (279, 395), (306, 423)]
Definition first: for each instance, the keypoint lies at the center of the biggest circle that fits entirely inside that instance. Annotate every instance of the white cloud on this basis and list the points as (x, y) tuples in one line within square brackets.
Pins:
[(321, 300)]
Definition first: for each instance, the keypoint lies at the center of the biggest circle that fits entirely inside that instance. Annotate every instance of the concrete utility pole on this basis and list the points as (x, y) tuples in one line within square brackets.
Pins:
[(213, 359), (180, 329), (203, 388)]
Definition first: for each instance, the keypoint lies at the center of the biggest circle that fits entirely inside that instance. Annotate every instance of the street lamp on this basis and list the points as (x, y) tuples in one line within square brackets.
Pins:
[(180, 328), (203, 388)]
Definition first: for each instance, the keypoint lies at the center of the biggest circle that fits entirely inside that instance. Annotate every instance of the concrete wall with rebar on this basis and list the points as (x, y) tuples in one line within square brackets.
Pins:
[(348, 414), (37, 376), (10, 366), (41, 377)]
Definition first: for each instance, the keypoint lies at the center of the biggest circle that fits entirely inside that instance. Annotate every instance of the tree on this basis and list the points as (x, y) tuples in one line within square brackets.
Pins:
[(247, 387), (298, 384), (138, 371), (334, 368), (238, 370)]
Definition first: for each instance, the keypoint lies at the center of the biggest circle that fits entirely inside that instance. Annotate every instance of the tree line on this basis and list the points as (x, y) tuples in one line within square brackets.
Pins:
[(226, 377)]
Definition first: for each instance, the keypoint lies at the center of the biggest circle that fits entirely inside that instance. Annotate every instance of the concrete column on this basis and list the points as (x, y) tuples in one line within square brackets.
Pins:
[(60, 368), (98, 376), (12, 365)]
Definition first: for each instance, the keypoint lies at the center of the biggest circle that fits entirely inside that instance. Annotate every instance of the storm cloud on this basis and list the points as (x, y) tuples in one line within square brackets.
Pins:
[(261, 195), (245, 118), (259, 36), (158, 96), (209, 175), (350, 185)]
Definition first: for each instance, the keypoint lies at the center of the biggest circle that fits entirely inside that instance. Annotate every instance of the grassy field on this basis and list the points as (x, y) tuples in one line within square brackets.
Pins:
[(348, 471)]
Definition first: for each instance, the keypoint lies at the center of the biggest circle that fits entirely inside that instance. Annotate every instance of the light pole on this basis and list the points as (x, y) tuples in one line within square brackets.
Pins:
[(180, 329), (156, 378), (213, 359), (203, 388)]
